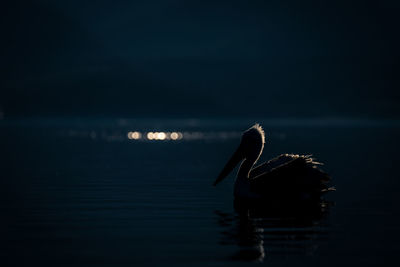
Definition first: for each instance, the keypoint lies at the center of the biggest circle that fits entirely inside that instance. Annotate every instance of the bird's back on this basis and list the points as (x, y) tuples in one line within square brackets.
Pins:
[(271, 164), (290, 176)]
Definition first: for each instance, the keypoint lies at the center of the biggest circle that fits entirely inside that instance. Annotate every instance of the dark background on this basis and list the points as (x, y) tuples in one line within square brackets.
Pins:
[(200, 58), (77, 76)]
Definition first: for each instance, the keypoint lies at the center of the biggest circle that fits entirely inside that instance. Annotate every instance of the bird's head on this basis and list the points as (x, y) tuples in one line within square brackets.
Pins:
[(250, 148)]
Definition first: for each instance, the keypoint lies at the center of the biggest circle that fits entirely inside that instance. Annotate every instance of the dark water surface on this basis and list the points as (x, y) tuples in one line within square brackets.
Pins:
[(81, 193)]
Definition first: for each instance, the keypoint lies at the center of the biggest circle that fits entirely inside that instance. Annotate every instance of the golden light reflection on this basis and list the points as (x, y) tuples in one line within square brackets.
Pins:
[(165, 136), (180, 136), (161, 136), (150, 135), (134, 135), (174, 135)]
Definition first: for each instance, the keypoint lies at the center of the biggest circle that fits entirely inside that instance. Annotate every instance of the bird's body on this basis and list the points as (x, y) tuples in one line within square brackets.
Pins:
[(286, 177)]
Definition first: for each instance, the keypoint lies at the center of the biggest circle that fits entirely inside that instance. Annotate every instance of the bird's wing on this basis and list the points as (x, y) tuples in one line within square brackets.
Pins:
[(300, 173), (271, 164)]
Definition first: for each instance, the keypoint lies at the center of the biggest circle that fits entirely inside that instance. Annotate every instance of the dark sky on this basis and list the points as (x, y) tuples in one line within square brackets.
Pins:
[(200, 58)]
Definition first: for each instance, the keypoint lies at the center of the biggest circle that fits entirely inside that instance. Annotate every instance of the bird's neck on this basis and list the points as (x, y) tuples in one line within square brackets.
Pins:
[(242, 187), (245, 168)]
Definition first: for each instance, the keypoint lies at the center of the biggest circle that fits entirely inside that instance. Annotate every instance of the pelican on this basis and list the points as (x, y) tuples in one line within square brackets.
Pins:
[(288, 176)]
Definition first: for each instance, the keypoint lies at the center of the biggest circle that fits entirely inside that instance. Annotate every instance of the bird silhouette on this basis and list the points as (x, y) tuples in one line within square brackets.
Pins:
[(286, 177)]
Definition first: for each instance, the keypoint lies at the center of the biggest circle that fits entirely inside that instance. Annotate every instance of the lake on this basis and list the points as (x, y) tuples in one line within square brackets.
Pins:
[(138, 192)]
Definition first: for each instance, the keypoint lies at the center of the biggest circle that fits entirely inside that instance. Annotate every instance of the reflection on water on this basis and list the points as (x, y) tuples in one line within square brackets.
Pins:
[(264, 231), (85, 193), (154, 136)]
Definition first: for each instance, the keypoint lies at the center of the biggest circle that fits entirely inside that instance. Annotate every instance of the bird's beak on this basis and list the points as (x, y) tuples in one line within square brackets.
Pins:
[(230, 165)]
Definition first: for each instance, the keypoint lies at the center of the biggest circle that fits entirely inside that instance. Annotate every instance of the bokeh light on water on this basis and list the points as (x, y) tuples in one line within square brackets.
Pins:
[(177, 135)]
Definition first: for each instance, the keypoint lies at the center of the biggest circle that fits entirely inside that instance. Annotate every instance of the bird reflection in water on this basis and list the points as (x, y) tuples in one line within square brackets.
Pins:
[(267, 231)]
